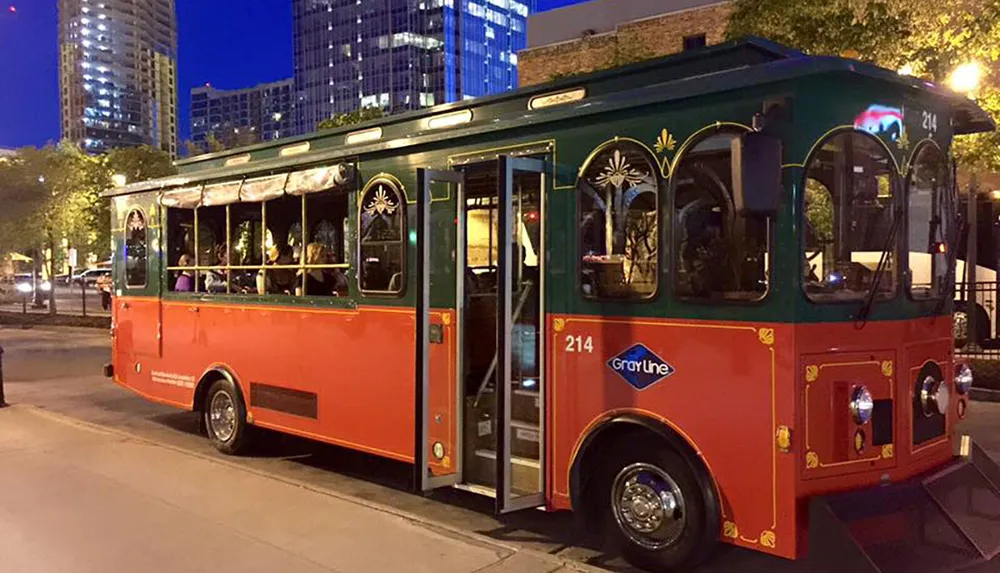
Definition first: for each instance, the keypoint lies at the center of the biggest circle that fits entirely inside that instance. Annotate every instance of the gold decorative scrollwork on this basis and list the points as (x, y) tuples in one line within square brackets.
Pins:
[(446, 319), (812, 460), (559, 324), (665, 142), (730, 530), (766, 336), (783, 438), (887, 451), (812, 373), (768, 539), (887, 367)]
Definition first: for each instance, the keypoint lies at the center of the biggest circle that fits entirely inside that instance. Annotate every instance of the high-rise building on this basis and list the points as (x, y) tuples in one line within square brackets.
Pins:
[(243, 116), (118, 73), (403, 54)]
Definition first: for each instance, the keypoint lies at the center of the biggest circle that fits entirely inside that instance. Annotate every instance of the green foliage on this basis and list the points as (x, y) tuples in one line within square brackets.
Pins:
[(931, 37), (192, 149), (52, 196), (352, 118)]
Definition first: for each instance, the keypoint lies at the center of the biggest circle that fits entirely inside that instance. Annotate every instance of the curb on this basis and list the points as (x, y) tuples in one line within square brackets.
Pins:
[(984, 395), (438, 526)]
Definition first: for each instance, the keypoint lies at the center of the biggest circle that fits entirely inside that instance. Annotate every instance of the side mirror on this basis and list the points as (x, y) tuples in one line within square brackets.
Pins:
[(756, 173)]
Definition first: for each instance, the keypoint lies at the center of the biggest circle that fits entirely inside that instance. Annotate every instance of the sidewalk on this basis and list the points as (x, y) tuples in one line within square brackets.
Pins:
[(75, 498)]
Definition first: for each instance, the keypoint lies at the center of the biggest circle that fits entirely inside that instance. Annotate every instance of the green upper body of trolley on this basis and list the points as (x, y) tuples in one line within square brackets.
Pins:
[(665, 106)]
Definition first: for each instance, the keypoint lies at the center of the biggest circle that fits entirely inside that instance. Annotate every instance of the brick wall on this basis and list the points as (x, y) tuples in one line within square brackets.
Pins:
[(646, 38)]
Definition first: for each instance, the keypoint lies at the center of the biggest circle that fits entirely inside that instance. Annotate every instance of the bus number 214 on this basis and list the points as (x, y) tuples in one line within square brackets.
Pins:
[(580, 344)]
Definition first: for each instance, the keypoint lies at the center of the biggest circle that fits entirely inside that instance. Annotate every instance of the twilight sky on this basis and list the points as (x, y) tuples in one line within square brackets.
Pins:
[(254, 46)]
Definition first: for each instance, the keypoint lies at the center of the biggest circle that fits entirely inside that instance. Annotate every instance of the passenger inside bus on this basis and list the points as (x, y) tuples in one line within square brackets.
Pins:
[(281, 281), (323, 282), (216, 279), (185, 280)]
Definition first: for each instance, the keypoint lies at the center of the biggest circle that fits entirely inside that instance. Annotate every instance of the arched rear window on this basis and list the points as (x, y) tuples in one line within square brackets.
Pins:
[(928, 205), (618, 195), (721, 255), (136, 252), (382, 232), (851, 191)]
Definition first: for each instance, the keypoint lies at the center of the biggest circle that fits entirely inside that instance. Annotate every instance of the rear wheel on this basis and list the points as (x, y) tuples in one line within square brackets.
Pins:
[(225, 418), (655, 509)]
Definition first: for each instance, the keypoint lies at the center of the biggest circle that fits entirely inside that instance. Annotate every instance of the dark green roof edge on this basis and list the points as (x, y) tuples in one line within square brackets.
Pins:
[(785, 66), (764, 47)]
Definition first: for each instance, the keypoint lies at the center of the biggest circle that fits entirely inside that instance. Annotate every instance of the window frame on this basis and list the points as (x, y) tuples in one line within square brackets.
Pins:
[(400, 191), (898, 197), (948, 188), (674, 231), (660, 202), (145, 221)]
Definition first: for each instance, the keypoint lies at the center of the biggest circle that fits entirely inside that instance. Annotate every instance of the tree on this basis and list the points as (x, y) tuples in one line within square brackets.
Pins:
[(357, 116), (928, 37), (52, 197)]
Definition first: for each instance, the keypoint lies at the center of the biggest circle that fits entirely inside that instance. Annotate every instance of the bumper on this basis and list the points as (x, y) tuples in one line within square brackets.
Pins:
[(947, 520)]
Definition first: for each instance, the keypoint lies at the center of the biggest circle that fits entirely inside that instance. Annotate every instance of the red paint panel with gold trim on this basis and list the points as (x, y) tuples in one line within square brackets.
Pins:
[(726, 397), (358, 363)]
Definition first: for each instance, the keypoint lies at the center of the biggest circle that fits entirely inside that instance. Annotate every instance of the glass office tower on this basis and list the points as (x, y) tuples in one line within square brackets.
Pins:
[(403, 54), (118, 73)]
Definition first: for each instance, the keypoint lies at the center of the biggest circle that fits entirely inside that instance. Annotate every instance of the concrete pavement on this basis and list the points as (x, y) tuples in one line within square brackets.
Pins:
[(77, 498)]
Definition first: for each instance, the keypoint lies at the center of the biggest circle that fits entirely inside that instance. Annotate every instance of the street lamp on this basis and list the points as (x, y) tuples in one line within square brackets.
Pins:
[(966, 77), (119, 179)]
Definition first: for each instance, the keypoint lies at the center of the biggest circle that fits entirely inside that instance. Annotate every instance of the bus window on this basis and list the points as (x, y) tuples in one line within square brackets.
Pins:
[(326, 261), (382, 226), (721, 254), (246, 243), (181, 251), (136, 253), (212, 255), (618, 195), (927, 196), (283, 217), (850, 188)]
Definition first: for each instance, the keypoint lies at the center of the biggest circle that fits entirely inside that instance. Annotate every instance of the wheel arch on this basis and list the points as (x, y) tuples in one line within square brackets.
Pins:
[(616, 427), (214, 373)]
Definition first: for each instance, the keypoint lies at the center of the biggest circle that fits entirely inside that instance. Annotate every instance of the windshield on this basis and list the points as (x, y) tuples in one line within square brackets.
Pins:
[(928, 202), (850, 189)]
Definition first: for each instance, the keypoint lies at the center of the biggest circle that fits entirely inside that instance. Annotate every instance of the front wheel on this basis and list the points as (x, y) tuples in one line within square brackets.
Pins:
[(656, 511), (225, 418)]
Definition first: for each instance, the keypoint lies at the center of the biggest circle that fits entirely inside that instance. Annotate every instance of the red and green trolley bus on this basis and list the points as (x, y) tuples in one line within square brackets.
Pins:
[(676, 297)]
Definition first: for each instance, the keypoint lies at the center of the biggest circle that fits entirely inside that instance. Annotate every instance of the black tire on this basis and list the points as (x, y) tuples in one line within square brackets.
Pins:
[(698, 509), (229, 431)]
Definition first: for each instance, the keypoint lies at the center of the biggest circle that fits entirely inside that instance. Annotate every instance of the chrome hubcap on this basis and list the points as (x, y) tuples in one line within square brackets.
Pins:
[(648, 506), (222, 416)]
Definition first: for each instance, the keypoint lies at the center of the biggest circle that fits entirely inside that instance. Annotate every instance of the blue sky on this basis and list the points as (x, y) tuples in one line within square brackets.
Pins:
[(254, 46)]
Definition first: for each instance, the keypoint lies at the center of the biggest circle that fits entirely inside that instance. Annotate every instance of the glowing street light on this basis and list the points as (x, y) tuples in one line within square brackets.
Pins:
[(119, 179), (966, 77), (906, 70)]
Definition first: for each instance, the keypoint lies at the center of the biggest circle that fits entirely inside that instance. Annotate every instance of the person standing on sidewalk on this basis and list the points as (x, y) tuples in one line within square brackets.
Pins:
[(103, 285)]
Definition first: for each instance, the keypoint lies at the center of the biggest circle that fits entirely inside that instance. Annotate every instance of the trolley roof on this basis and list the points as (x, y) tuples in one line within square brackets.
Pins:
[(711, 69)]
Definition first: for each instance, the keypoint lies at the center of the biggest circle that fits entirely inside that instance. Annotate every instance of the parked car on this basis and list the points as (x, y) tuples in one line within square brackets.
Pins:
[(89, 277), (24, 285)]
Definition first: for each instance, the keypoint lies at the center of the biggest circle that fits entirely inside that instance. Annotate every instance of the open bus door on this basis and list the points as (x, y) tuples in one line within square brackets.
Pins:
[(440, 261), (520, 436)]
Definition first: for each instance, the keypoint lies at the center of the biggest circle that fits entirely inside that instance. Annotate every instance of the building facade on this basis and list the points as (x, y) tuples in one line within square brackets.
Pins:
[(118, 73), (243, 116), (403, 54), (599, 34)]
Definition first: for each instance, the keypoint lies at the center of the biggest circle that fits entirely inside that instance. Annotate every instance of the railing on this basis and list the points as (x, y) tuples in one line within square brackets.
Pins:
[(986, 341)]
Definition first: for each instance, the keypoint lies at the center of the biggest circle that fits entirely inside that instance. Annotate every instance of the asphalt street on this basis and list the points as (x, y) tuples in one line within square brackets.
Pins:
[(58, 370)]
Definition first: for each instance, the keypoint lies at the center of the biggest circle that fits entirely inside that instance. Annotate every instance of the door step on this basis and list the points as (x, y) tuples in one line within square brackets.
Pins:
[(525, 404), (477, 489), (526, 474)]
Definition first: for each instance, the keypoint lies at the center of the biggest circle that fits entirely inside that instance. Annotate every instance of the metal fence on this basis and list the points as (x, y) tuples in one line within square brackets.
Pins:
[(985, 344)]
